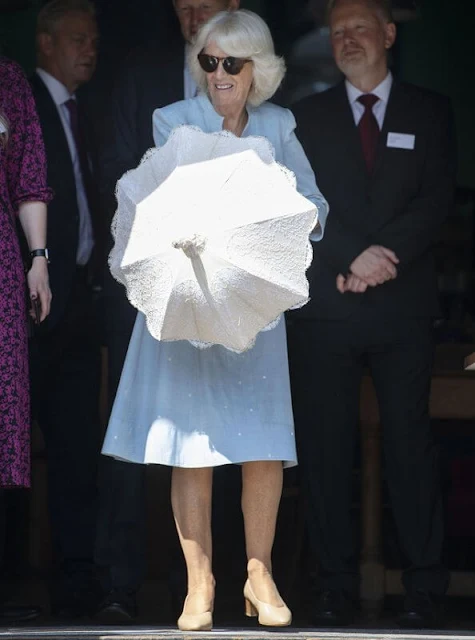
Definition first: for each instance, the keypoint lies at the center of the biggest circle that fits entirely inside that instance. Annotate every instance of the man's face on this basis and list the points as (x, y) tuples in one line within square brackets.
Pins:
[(193, 13), (360, 38), (70, 52)]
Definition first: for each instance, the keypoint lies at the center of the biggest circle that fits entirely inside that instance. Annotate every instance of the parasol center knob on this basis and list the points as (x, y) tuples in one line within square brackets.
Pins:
[(192, 246)]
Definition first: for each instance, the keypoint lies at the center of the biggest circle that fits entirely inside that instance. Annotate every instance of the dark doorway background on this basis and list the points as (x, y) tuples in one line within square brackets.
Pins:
[(435, 49), (435, 46)]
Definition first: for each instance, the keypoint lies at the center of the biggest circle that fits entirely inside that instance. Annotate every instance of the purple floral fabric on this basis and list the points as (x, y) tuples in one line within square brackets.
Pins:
[(22, 179)]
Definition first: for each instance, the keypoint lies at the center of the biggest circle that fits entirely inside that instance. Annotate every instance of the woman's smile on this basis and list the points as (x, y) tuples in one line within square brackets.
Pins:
[(228, 93)]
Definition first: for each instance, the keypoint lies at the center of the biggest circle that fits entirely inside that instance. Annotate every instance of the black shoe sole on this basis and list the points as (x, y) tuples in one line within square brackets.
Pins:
[(113, 615), (6, 621), (417, 626)]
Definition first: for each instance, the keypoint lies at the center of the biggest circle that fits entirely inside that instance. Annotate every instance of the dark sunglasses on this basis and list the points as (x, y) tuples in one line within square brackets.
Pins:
[(231, 65)]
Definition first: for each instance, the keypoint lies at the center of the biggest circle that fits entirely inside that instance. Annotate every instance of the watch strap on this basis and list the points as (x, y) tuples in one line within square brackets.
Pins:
[(39, 253)]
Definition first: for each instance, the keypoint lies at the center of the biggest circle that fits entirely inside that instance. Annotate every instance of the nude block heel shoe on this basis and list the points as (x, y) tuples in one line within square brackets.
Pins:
[(249, 609), (268, 615), (196, 621)]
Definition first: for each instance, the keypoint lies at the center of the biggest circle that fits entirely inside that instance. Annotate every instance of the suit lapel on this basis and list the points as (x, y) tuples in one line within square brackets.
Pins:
[(57, 148), (52, 127), (393, 121), (90, 186)]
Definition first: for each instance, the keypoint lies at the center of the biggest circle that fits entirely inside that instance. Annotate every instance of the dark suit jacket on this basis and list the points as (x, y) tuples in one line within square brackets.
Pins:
[(401, 206), (63, 213), (151, 77)]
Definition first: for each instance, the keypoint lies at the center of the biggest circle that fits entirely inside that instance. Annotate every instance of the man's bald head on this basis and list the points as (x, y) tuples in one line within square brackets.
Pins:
[(193, 13), (382, 7)]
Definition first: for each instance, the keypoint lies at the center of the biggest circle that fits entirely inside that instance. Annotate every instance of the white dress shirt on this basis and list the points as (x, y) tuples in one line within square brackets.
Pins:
[(189, 85), (60, 96), (382, 91)]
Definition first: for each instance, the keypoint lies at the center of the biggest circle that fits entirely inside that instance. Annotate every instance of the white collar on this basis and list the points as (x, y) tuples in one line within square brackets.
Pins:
[(382, 91), (58, 91)]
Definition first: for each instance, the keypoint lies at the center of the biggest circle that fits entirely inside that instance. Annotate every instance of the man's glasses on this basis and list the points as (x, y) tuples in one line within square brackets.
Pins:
[(231, 65)]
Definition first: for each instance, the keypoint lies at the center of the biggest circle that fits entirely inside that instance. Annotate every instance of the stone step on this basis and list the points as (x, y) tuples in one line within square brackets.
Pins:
[(164, 633)]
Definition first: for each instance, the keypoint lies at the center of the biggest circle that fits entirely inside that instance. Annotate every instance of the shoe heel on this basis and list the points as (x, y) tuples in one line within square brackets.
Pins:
[(249, 609)]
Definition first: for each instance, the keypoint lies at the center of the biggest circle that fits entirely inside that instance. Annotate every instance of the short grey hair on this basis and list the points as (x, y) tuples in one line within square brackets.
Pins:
[(383, 7), (52, 12), (242, 34)]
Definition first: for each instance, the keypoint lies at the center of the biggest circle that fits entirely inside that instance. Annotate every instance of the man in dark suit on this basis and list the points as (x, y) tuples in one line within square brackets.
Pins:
[(383, 155), (152, 77), (65, 353)]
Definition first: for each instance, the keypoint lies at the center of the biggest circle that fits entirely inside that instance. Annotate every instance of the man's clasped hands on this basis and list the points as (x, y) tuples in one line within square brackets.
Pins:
[(374, 266)]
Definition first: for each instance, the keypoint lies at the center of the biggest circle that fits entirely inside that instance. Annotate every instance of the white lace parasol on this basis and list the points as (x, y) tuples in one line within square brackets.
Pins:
[(212, 238)]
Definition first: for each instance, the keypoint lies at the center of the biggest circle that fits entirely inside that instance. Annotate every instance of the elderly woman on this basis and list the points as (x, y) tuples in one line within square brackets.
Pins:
[(195, 409)]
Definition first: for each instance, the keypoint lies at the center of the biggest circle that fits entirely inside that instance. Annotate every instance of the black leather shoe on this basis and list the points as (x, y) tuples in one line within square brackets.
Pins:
[(12, 614), (334, 608), (421, 611), (71, 609), (118, 607), (76, 592)]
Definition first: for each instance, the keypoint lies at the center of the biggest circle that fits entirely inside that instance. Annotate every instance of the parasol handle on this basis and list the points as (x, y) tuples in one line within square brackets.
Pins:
[(192, 246)]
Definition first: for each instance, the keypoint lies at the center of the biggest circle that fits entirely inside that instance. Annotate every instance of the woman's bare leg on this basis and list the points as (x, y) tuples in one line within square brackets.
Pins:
[(261, 493), (191, 495)]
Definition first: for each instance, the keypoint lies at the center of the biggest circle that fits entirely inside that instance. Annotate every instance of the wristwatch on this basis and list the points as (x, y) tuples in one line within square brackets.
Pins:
[(43, 253)]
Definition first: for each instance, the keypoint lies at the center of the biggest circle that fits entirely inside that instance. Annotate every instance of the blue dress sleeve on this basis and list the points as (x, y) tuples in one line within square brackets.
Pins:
[(295, 159), (166, 119)]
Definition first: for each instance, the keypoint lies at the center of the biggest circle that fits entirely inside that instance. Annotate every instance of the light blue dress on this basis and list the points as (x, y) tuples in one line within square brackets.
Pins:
[(182, 406)]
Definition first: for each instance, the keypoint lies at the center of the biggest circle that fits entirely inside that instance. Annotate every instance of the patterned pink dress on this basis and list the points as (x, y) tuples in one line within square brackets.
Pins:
[(22, 178)]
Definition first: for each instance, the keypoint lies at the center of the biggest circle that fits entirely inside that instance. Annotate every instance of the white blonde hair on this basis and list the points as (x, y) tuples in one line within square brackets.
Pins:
[(242, 34)]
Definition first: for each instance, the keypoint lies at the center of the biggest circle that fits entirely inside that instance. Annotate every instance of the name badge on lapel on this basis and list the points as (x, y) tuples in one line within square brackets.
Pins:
[(401, 141)]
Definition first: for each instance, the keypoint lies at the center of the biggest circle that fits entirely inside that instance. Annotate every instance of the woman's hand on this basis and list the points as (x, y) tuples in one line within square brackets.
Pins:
[(33, 221), (38, 286)]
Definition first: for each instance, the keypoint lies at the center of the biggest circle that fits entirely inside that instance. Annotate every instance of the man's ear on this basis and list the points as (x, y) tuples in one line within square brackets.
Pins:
[(44, 43), (390, 35)]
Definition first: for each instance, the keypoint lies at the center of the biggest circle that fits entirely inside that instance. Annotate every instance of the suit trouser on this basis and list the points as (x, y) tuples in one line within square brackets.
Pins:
[(120, 543), (327, 360), (65, 383)]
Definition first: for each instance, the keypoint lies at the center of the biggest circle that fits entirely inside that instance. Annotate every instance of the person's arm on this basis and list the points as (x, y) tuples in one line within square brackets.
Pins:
[(32, 216), (295, 159), (410, 234), (26, 175), (341, 245), (164, 120)]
